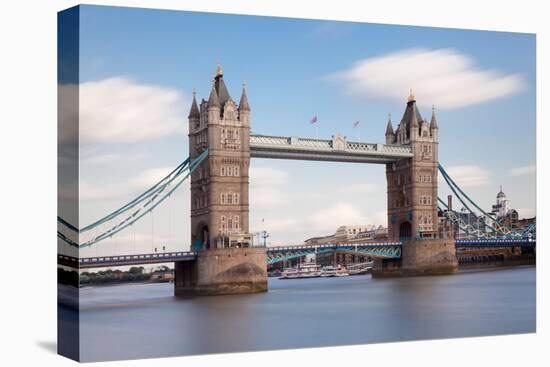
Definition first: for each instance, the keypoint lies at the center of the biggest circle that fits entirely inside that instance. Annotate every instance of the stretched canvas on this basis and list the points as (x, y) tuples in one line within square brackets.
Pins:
[(234, 183)]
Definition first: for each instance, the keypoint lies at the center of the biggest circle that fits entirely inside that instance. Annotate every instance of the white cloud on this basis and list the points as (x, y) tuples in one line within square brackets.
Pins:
[(340, 214), (444, 77), (134, 186), (148, 178), (363, 188), (323, 222), (267, 176), (522, 171), (265, 188), (468, 176), (120, 110), (101, 158)]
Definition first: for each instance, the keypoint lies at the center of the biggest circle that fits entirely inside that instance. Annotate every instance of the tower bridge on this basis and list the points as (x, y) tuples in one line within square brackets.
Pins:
[(336, 150), (222, 259)]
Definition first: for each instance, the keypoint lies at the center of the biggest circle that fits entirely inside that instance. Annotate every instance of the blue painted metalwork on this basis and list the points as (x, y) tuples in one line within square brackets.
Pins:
[(497, 229), (285, 253), (521, 242), (135, 209), (126, 260)]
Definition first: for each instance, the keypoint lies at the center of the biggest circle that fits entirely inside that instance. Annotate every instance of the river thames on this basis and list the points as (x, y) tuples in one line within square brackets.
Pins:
[(146, 320)]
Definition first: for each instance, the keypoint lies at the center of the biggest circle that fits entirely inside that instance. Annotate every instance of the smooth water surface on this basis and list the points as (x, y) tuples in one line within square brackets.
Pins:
[(146, 320)]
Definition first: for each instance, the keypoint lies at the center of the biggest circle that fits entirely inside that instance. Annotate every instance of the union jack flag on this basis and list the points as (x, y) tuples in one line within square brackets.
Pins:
[(313, 120)]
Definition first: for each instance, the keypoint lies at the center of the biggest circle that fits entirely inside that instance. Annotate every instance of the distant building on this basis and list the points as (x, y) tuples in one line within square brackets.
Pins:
[(352, 233), (503, 212), (380, 233), (501, 208), (525, 222), (315, 241), (344, 233)]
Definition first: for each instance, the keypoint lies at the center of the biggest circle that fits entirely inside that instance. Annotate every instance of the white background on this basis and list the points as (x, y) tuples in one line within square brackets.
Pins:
[(28, 181)]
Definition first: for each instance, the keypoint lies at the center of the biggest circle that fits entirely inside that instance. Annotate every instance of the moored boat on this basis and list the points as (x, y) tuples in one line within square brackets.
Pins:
[(308, 270), (334, 271), (360, 269)]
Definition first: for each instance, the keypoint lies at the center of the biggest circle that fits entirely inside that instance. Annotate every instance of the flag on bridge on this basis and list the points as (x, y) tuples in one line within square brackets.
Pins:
[(356, 123), (313, 120)]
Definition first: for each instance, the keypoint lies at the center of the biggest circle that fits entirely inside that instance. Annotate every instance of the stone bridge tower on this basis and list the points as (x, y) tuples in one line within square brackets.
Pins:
[(219, 186), (412, 183), (225, 263), (412, 201)]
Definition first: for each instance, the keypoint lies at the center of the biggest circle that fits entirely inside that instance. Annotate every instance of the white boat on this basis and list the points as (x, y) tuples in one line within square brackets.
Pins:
[(307, 270), (360, 269), (328, 271), (333, 271)]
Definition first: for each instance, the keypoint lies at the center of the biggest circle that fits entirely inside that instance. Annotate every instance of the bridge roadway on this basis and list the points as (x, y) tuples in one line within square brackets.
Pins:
[(279, 253), (336, 150)]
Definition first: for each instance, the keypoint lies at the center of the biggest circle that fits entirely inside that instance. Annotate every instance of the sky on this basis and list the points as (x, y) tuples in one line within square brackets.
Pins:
[(138, 68)]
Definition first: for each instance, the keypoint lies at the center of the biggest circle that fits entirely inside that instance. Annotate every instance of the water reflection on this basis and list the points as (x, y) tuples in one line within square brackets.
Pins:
[(138, 321)]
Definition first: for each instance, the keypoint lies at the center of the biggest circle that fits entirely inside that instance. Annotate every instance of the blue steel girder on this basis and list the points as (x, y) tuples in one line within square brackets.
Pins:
[(496, 243), (387, 250)]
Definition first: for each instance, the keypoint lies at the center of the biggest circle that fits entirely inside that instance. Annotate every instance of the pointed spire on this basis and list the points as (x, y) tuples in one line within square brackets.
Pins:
[(414, 115), (194, 112), (243, 104), (213, 101), (433, 123), (221, 89), (389, 128)]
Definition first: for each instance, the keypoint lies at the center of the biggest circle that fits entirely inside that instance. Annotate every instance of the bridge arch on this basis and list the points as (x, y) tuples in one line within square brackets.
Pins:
[(405, 229), (201, 237)]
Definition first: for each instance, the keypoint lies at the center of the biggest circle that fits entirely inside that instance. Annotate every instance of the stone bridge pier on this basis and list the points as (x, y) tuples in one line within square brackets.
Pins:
[(223, 271)]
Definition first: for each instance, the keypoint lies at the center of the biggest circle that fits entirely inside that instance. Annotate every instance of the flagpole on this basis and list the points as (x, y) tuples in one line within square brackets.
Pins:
[(316, 131)]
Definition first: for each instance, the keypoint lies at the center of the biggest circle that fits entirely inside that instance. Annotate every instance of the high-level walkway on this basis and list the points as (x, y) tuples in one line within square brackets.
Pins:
[(336, 150)]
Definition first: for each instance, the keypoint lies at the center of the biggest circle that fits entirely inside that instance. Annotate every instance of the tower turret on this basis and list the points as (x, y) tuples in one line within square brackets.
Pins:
[(213, 105), (244, 107), (221, 89), (434, 129), (390, 136), (213, 100), (433, 122), (415, 120), (194, 115), (194, 111)]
